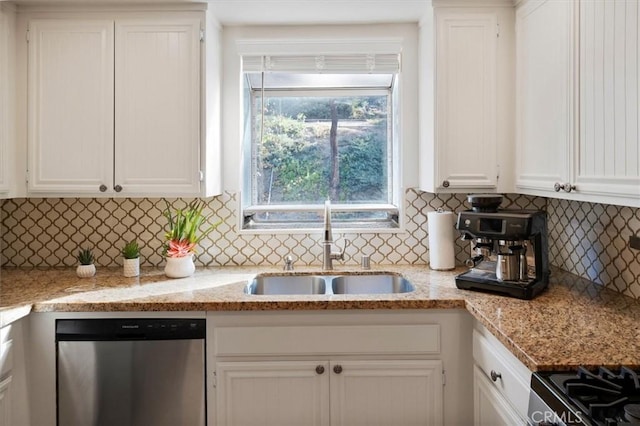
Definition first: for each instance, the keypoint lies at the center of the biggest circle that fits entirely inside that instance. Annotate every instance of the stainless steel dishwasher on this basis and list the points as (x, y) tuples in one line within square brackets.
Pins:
[(130, 372)]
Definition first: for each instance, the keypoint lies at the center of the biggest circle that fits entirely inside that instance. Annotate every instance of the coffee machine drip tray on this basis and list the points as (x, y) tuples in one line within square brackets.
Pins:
[(486, 281)]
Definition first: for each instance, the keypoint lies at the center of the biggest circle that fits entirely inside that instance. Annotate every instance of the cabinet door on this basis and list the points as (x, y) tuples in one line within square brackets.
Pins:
[(490, 408), (5, 402), (4, 100), (608, 160), (544, 34), (157, 94), (6, 370), (396, 393), (70, 117), (466, 131), (283, 393)]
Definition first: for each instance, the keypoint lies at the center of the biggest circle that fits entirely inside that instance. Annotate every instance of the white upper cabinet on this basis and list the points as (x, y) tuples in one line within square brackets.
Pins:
[(157, 106), (466, 152), (114, 107), (577, 108), (544, 55), (70, 116), (608, 154), (463, 145), (7, 26)]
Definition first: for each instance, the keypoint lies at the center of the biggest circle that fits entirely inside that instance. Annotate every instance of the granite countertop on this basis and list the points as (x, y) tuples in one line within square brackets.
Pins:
[(574, 322)]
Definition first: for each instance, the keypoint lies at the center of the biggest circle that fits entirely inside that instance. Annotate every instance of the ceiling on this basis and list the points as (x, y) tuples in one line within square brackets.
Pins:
[(268, 12)]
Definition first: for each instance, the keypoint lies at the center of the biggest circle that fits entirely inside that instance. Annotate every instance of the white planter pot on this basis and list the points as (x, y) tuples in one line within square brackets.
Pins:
[(132, 267), (179, 267), (86, 271)]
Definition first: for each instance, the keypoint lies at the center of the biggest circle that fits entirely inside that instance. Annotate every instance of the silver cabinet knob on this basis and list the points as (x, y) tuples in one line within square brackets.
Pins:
[(320, 369), (495, 376), (337, 369), (117, 188), (103, 188), (566, 187), (445, 183)]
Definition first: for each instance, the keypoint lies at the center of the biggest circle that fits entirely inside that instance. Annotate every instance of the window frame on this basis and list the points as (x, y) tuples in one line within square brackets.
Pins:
[(250, 205), (330, 40)]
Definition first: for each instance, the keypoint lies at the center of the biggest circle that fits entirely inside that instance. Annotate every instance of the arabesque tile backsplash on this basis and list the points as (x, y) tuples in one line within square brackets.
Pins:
[(587, 239)]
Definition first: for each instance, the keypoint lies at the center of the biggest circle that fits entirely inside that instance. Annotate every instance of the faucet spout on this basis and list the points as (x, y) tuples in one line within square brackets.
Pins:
[(328, 237), (328, 255)]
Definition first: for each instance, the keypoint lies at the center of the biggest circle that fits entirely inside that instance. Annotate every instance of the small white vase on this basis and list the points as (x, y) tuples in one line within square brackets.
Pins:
[(179, 267), (86, 271), (132, 267)]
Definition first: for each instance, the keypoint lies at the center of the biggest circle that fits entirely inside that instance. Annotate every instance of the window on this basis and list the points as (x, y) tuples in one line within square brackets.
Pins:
[(320, 128)]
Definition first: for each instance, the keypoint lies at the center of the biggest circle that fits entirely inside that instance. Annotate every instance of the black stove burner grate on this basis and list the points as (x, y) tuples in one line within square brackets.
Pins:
[(607, 398)]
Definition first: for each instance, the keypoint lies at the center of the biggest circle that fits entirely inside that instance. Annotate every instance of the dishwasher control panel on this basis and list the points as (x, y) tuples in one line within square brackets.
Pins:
[(129, 329)]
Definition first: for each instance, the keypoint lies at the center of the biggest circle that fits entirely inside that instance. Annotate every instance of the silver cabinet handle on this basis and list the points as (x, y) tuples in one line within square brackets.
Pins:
[(445, 183), (118, 188), (557, 187), (103, 188), (320, 369), (337, 369), (495, 376)]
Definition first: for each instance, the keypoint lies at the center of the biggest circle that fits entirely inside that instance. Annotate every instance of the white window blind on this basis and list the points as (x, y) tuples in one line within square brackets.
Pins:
[(378, 63)]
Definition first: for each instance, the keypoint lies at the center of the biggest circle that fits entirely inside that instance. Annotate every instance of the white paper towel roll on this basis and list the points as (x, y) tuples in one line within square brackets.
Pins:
[(441, 240)]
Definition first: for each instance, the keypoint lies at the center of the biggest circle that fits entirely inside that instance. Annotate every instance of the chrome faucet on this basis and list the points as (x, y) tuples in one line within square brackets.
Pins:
[(328, 256), (288, 263)]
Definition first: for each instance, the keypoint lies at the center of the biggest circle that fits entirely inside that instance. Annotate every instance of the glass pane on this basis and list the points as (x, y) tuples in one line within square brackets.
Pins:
[(313, 148)]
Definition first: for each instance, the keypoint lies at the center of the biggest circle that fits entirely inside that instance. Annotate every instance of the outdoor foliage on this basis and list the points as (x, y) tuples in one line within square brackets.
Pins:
[(294, 161)]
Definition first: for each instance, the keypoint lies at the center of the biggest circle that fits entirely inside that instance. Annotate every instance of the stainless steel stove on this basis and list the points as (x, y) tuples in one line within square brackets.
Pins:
[(602, 397)]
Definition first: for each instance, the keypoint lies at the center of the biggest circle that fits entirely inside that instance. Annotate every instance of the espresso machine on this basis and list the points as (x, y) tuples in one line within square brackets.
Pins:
[(509, 248)]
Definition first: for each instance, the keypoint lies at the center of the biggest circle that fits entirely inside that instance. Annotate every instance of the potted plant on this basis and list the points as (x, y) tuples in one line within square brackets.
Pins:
[(131, 254), (86, 268), (183, 236)]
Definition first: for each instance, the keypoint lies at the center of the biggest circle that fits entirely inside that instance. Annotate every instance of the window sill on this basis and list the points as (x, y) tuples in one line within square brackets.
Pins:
[(384, 219), (312, 228)]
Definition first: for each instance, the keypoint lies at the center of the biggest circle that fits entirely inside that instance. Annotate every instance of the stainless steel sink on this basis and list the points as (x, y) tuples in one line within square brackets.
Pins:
[(371, 284), (384, 283), (287, 284)]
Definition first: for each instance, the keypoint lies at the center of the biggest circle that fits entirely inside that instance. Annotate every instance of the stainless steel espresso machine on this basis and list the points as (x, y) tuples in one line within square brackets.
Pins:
[(509, 248)]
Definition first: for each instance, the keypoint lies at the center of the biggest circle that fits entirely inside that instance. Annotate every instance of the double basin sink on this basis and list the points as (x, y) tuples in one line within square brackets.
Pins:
[(382, 283)]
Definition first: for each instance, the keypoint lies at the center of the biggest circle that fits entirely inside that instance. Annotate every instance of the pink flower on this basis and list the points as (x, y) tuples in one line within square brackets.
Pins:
[(180, 248)]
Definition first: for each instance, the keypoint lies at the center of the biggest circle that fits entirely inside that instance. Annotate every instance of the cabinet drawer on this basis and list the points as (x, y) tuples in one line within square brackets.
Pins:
[(318, 340), (514, 381)]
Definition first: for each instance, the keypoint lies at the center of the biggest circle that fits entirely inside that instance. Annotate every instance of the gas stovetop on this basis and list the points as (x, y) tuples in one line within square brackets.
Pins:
[(600, 397)]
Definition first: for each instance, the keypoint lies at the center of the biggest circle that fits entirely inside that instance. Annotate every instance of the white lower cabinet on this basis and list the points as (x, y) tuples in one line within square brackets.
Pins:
[(5, 401), (489, 406), (345, 392), (273, 393), (500, 382), (386, 392), (13, 380), (339, 369)]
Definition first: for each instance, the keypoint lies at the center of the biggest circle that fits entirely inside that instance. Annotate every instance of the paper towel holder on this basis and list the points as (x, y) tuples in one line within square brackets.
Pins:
[(441, 240)]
